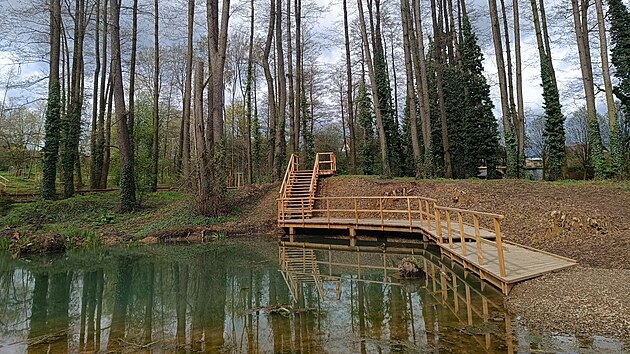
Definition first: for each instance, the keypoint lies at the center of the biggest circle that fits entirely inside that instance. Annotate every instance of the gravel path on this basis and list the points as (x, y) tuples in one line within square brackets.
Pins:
[(581, 301)]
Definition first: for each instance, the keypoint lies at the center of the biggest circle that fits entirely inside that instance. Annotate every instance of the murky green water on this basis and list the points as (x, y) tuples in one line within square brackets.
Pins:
[(258, 298)]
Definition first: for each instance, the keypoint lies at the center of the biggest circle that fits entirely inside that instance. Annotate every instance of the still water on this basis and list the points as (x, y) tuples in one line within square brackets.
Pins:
[(259, 297)]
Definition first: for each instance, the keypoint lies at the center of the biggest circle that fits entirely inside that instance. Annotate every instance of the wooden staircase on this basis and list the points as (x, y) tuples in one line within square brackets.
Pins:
[(297, 194)]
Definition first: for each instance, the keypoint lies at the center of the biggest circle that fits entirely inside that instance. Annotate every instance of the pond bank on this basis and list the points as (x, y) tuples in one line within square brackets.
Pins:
[(586, 221)]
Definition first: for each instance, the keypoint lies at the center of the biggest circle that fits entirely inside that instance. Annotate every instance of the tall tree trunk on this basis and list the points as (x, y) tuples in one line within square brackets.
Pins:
[(103, 103), (375, 99), (184, 136), (298, 115), (95, 168), (411, 93), (580, 20), (271, 97), (107, 134), (53, 108), (248, 93), (422, 86), (437, 30), (155, 149), (280, 149), (72, 124), (132, 77), (545, 31), (520, 115), (349, 92), (603, 50), (127, 183), (294, 125), (498, 52)]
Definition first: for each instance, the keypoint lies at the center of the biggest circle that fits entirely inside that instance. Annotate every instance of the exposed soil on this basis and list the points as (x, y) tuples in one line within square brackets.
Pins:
[(588, 222)]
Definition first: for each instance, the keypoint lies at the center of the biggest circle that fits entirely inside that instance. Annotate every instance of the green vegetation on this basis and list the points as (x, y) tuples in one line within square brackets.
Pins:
[(84, 220)]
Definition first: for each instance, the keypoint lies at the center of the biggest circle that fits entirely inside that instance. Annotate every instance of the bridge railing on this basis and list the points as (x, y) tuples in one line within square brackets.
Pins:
[(408, 211), (326, 163), (464, 219), (292, 166)]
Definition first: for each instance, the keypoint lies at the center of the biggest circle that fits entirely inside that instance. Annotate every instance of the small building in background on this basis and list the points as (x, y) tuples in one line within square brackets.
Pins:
[(534, 168)]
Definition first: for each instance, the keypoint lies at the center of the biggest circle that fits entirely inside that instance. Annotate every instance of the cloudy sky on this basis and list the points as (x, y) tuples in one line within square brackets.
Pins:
[(329, 25)]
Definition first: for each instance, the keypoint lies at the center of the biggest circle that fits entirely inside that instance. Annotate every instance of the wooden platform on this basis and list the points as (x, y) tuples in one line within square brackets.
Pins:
[(468, 237)]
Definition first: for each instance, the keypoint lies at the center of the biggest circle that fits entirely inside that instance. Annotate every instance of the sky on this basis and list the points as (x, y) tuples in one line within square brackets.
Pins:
[(564, 55)]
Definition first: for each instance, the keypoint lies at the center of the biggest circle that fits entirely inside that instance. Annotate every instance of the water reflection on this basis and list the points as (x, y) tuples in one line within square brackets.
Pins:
[(236, 297)]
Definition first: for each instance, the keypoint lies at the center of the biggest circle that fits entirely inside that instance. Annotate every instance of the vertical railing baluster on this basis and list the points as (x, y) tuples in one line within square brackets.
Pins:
[(409, 213), (461, 232), (478, 238), (448, 228), (499, 240), (438, 222)]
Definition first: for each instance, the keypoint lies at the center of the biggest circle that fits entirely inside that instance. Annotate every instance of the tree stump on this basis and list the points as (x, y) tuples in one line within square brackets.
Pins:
[(409, 268)]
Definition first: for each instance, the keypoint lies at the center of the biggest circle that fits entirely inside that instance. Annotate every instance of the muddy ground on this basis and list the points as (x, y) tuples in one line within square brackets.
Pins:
[(588, 222)]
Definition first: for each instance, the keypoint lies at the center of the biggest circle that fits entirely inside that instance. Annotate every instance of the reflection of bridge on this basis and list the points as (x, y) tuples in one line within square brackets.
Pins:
[(470, 238), (326, 265)]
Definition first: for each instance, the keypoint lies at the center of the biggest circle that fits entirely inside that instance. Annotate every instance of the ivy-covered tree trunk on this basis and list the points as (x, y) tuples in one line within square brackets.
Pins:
[(127, 177), (554, 136), (53, 108), (71, 123), (620, 40), (580, 20)]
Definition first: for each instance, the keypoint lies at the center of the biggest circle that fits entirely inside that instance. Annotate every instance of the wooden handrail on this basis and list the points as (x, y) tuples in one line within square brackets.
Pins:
[(292, 166)]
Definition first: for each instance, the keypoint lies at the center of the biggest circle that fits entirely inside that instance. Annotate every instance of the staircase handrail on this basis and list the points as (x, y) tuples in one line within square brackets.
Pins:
[(292, 166), (313, 185)]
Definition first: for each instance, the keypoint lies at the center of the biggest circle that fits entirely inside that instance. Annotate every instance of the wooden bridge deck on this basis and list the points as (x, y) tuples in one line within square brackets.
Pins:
[(470, 238)]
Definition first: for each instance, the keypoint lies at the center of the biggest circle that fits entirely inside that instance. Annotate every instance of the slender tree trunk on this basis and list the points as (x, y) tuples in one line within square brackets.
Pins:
[(422, 86), (580, 19), (95, 168), (184, 137), (72, 125), (498, 51), (545, 31), (294, 125), (53, 108), (349, 92), (103, 103), (411, 93), (520, 115), (375, 99), (132, 77), (155, 149), (280, 149), (437, 30), (299, 77), (248, 93), (343, 121), (107, 135), (603, 50), (271, 97), (127, 183)]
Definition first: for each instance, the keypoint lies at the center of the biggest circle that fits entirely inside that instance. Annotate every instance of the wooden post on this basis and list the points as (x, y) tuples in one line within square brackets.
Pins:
[(478, 238), (302, 205), (461, 232), (356, 213), (426, 204), (420, 209), (380, 202), (469, 305), (499, 241), (328, 211), (409, 213), (448, 228), (438, 223)]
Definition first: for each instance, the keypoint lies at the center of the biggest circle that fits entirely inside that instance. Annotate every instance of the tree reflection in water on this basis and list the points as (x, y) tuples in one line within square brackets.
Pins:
[(233, 297)]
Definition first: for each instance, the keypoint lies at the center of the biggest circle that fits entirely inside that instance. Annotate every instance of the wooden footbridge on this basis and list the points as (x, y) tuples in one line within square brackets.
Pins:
[(470, 238)]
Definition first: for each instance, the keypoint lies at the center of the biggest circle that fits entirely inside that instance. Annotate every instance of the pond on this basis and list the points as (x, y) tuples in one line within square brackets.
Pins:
[(258, 297)]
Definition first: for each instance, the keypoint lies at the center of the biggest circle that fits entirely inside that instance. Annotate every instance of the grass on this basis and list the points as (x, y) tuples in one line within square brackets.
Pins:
[(86, 219), (21, 184)]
